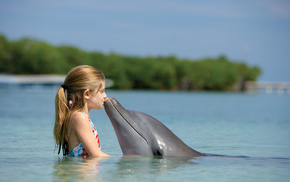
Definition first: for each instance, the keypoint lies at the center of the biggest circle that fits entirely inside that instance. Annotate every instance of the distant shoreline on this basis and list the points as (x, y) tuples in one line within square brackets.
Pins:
[(54, 79), (39, 79), (32, 79)]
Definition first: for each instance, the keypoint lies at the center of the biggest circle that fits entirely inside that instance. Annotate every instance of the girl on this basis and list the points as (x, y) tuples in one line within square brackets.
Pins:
[(74, 132)]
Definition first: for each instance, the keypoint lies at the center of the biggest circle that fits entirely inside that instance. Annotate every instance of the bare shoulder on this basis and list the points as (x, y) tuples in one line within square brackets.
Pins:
[(79, 119)]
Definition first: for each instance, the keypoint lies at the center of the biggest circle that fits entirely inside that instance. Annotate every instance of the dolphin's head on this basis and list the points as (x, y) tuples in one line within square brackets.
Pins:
[(130, 130)]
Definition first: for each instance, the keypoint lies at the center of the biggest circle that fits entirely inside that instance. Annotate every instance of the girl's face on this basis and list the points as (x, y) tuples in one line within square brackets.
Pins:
[(96, 98)]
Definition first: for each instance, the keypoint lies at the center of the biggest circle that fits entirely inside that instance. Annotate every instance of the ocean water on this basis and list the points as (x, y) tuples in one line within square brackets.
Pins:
[(246, 137)]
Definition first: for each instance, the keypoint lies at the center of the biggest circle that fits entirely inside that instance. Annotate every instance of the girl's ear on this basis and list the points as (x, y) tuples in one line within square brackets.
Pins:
[(87, 94)]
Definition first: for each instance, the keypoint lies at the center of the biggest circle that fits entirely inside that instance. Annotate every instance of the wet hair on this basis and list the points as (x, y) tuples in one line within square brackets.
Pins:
[(76, 82)]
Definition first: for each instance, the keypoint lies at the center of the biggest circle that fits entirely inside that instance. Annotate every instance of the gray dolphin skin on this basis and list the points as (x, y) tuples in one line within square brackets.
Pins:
[(141, 134)]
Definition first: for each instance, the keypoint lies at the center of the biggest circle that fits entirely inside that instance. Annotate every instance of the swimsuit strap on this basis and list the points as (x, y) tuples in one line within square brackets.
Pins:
[(85, 113), (94, 130)]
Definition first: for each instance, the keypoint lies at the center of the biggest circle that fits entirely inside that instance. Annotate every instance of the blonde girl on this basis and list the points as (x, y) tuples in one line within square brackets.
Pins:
[(74, 132)]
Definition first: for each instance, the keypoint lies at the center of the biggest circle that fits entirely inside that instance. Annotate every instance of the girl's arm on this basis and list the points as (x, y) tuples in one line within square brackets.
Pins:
[(84, 132)]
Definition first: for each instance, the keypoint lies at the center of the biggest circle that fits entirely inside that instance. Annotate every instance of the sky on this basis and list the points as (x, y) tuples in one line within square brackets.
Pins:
[(253, 31)]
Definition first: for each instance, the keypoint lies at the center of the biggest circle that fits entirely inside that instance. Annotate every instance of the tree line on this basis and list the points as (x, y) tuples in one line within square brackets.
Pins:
[(31, 56)]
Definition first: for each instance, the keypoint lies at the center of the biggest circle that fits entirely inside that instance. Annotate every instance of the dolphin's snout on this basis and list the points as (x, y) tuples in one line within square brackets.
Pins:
[(112, 103), (109, 99)]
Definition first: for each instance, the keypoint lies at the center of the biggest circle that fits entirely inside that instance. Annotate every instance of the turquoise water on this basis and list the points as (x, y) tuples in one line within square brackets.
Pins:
[(248, 135)]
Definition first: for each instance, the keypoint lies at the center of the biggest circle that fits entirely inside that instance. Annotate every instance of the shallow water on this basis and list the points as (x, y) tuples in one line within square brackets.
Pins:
[(246, 137)]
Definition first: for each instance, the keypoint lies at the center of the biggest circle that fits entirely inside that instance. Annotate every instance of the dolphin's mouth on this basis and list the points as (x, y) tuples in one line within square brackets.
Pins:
[(115, 107)]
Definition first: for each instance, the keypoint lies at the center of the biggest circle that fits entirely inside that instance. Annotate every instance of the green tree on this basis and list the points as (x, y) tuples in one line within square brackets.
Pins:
[(5, 61), (30, 56), (35, 57)]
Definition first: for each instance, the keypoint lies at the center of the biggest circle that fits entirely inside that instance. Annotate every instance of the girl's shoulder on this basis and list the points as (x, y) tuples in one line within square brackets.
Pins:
[(78, 118)]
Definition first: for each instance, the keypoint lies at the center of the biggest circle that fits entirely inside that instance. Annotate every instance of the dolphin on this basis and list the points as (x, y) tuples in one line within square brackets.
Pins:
[(141, 134)]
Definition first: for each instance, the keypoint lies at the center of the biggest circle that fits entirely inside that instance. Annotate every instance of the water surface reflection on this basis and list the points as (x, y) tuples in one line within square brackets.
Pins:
[(114, 168), (76, 169)]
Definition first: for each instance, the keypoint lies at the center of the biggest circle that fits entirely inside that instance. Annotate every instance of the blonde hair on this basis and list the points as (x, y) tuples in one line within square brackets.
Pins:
[(76, 82)]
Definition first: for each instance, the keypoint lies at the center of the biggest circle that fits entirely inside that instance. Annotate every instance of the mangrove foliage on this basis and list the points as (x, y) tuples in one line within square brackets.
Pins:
[(30, 56)]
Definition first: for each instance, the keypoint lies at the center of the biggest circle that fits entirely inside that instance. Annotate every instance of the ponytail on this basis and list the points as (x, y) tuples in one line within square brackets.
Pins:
[(61, 110)]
